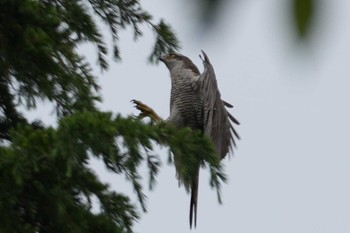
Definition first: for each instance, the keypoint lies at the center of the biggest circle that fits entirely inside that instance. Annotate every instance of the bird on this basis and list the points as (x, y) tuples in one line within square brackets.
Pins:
[(195, 102)]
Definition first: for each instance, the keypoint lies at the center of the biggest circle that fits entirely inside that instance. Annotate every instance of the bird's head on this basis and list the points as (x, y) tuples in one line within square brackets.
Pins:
[(176, 61)]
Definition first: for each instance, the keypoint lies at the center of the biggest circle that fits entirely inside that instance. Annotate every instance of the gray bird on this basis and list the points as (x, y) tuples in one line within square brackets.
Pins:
[(196, 102)]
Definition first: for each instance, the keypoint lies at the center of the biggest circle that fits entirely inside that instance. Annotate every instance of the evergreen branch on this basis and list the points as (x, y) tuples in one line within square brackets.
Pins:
[(166, 41), (153, 163)]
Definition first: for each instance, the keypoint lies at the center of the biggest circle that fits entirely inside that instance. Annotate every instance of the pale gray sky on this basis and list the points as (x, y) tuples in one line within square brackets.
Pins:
[(291, 171)]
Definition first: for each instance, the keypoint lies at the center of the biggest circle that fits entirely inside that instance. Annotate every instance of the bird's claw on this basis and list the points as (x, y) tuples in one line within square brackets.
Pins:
[(145, 110)]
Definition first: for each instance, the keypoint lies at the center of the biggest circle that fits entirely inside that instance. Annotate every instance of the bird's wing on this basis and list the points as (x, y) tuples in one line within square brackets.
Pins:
[(217, 120)]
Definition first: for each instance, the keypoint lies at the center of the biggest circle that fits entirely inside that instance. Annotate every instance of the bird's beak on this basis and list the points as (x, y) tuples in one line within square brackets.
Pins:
[(162, 58)]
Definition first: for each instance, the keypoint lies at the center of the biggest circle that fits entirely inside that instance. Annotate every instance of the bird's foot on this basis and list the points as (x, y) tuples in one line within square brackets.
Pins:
[(146, 111)]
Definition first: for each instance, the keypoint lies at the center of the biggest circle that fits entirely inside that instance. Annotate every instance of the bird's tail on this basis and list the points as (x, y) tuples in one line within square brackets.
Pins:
[(194, 199)]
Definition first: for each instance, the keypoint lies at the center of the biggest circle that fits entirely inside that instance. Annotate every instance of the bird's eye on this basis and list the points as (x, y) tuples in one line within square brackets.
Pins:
[(172, 55)]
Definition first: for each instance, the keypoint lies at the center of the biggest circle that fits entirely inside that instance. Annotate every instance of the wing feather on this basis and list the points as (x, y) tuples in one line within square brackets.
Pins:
[(217, 121)]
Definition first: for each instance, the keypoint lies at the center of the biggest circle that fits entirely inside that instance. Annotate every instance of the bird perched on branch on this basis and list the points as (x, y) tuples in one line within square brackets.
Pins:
[(196, 102)]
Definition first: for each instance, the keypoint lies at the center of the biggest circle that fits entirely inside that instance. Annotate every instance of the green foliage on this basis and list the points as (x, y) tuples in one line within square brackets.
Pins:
[(47, 187), (166, 41), (303, 14), (46, 184), (185, 143), (38, 47)]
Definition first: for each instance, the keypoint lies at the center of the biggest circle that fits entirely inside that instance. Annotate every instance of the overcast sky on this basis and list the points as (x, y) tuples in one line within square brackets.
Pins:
[(291, 170)]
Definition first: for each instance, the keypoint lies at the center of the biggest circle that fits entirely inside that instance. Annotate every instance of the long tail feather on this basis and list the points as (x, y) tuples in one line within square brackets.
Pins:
[(194, 200)]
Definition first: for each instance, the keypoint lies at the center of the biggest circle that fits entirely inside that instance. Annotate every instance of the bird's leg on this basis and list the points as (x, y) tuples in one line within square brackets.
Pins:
[(146, 111)]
